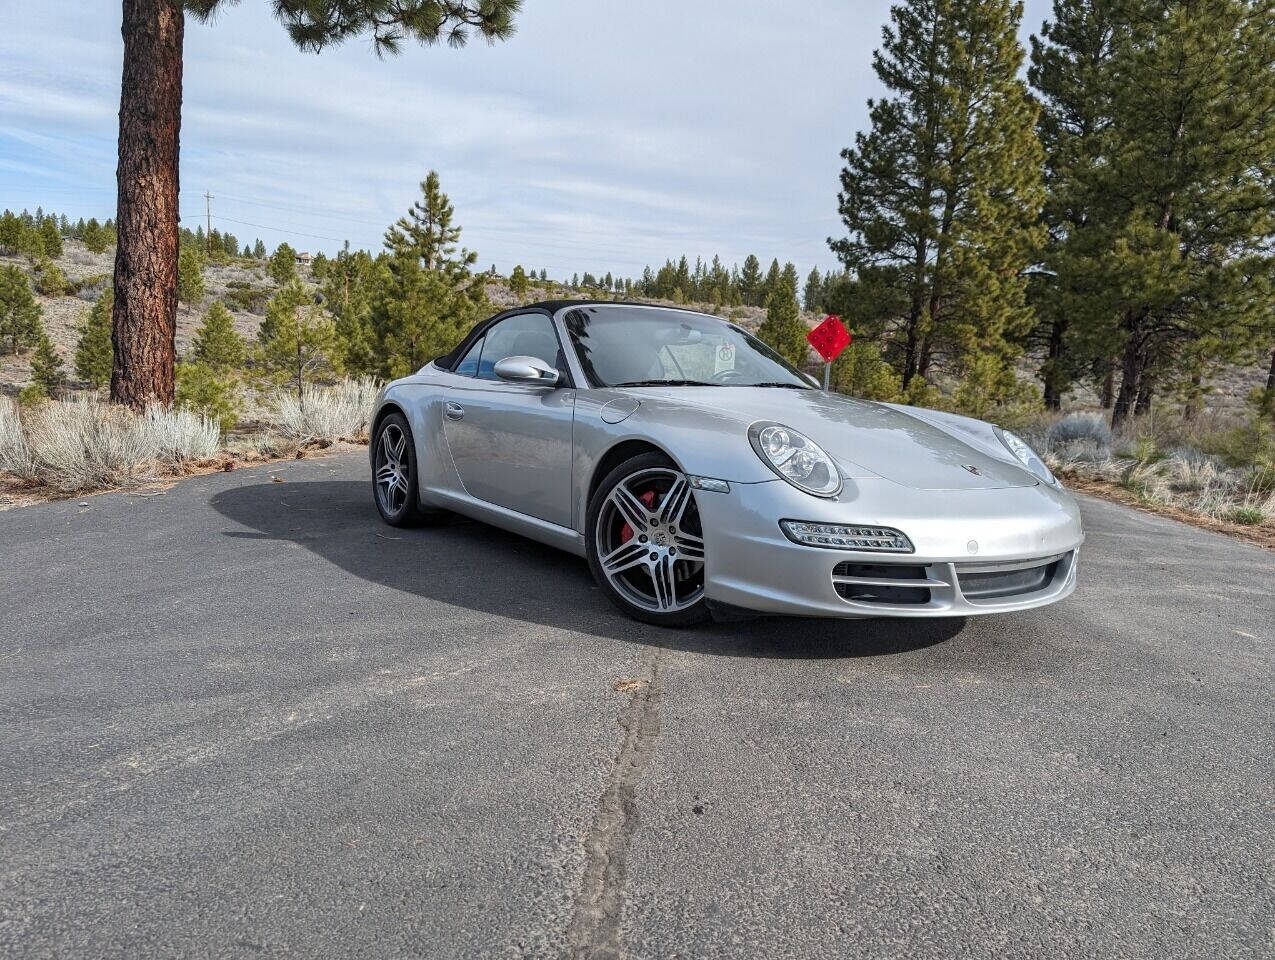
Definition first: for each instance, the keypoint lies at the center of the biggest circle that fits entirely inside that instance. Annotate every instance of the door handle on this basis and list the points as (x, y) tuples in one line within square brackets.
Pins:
[(453, 411)]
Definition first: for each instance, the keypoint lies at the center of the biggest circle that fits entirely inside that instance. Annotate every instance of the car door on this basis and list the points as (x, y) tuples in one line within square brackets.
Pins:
[(511, 442)]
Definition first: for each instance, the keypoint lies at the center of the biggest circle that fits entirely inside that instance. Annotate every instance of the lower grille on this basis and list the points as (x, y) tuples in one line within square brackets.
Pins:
[(891, 583), (995, 581)]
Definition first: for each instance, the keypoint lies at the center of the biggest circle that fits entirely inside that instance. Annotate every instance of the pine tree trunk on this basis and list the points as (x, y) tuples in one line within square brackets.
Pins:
[(145, 320), (1108, 396), (1053, 372), (1130, 380), (1270, 377), (1146, 391)]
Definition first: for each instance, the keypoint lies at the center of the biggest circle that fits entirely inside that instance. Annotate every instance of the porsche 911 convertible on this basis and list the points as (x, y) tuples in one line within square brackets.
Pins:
[(701, 475)]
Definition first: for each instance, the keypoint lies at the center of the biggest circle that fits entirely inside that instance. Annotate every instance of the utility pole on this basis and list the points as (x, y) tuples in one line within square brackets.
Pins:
[(208, 199)]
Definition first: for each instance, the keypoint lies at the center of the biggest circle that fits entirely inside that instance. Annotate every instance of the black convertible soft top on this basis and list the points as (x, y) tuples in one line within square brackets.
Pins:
[(449, 360)]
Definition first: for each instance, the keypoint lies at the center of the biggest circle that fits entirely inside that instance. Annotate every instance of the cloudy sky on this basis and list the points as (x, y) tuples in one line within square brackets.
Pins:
[(603, 136)]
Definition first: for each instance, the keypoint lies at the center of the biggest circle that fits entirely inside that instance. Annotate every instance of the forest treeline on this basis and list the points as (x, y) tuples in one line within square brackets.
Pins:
[(1102, 208)]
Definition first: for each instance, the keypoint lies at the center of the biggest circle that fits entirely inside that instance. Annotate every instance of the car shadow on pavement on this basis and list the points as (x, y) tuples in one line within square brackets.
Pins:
[(474, 566)]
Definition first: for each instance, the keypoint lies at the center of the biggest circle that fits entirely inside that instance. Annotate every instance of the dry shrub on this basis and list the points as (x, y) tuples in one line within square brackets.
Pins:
[(339, 412), (86, 445)]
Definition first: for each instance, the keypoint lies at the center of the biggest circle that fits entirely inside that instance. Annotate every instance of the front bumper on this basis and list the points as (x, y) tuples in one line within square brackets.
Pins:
[(751, 564)]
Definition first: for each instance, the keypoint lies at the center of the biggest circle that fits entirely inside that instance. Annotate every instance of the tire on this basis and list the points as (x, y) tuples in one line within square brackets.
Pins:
[(656, 564), (394, 450)]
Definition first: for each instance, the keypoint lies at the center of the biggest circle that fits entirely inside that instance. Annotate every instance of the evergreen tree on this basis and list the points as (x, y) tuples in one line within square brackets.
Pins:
[(19, 313), (10, 232), (773, 281), (1070, 60), (782, 329), (93, 353), (750, 281), (429, 298), (860, 371), (518, 282), (190, 276), (95, 238), (46, 365), (51, 237), (297, 340), (258, 250), (209, 393), (349, 289), (1173, 271), (790, 276), (427, 231), (217, 343), (283, 264), (941, 196), (812, 296)]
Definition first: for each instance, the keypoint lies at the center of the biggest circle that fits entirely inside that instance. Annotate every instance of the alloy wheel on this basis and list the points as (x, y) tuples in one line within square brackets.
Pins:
[(393, 471), (650, 545)]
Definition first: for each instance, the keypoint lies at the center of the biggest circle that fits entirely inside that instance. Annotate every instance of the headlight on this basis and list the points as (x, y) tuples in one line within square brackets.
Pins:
[(1026, 456), (795, 458)]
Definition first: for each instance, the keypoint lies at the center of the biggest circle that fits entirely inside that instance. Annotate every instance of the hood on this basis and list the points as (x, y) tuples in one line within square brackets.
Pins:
[(866, 439)]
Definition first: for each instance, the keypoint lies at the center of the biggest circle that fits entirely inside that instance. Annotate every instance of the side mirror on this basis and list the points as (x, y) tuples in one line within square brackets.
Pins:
[(526, 370)]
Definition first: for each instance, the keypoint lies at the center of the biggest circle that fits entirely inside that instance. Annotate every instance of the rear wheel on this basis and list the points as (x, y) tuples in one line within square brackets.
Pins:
[(394, 474), (645, 542)]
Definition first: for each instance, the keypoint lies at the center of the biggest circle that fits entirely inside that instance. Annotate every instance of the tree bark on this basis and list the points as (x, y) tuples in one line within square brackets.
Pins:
[(1131, 370), (145, 319), (1108, 396), (1270, 377), (1053, 365)]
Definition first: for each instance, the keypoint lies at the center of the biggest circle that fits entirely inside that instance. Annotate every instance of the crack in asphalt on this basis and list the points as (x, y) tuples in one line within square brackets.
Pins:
[(594, 930)]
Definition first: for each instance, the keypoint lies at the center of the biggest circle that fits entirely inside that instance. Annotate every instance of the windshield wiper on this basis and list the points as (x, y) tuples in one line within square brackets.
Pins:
[(776, 383), (666, 383)]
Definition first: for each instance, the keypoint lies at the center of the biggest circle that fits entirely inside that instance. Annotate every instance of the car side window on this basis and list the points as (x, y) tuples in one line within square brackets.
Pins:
[(468, 367), (523, 335)]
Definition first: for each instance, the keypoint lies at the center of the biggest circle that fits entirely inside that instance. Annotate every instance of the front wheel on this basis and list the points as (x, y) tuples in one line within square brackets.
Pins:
[(394, 474), (645, 542)]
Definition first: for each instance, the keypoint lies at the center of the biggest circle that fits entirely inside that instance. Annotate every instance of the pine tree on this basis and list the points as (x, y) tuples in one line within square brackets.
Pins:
[(297, 340), (773, 281), (941, 196), (95, 238), (427, 231), (283, 264), (258, 250), (1173, 271), (429, 297), (518, 282), (19, 313), (209, 393), (812, 296), (349, 289), (46, 365), (217, 343), (1069, 62), (782, 329), (750, 281), (190, 276), (93, 353), (51, 237)]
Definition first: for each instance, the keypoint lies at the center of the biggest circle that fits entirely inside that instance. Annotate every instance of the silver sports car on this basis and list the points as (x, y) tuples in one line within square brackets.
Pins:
[(702, 475)]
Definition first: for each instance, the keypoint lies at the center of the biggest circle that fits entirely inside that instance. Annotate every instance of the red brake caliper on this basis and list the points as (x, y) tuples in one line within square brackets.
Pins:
[(626, 531)]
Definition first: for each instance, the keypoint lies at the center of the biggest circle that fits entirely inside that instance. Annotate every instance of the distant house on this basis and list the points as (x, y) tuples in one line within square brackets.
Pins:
[(305, 259)]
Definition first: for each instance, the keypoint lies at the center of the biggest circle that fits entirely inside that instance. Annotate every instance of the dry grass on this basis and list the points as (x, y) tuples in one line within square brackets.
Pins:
[(1215, 468), (81, 445), (338, 412)]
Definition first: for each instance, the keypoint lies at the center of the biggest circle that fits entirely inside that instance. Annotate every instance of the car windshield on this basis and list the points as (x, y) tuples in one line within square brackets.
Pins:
[(650, 346)]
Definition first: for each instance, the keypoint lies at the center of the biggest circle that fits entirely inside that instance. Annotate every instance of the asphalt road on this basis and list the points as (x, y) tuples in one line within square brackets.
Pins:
[(245, 719)]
